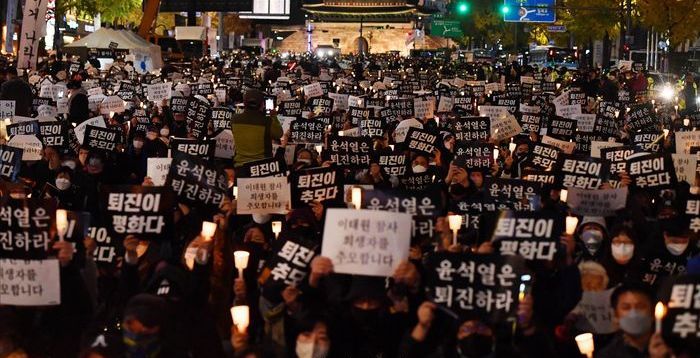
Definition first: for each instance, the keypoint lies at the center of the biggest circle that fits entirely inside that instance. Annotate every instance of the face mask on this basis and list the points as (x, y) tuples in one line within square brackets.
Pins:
[(305, 349), (70, 164), (62, 183), (676, 249), (635, 323), (591, 240), (476, 345), (418, 169), (622, 252), (138, 144), (164, 132)]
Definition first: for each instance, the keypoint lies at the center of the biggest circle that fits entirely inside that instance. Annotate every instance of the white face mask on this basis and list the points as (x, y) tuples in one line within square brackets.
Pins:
[(676, 249), (62, 183), (622, 252), (138, 144), (70, 164), (164, 132), (305, 349), (418, 169)]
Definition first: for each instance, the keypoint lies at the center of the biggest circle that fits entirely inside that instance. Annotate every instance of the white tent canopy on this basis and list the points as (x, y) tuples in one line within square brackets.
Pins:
[(147, 56)]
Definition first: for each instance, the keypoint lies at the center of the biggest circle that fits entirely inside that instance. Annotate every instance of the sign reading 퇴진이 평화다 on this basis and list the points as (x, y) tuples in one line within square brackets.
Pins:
[(145, 212), (30, 282), (10, 162), (581, 172), (366, 242), (263, 195)]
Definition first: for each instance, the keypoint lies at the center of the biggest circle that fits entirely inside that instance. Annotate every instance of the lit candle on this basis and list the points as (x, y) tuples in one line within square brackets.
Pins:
[(563, 195), (585, 344), (277, 228), (495, 154), (686, 122), (356, 197), (341, 133), (241, 317), (665, 133), (319, 148), (241, 261), (392, 147), (61, 223), (512, 147), (455, 222), (659, 313), (571, 222), (235, 192), (208, 230)]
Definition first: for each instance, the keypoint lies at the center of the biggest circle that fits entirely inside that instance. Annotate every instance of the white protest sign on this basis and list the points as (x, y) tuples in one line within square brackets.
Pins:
[(62, 106), (403, 127), (504, 127), (225, 145), (31, 145), (564, 146), (313, 90), (598, 202), (624, 65), (184, 89), (94, 91), (569, 111), (524, 108), (7, 109), (112, 104), (584, 122), (267, 195), (21, 119), (94, 101), (424, 107), (30, 282), (685, 166), (492, 87), (354, 101), (47, 111), (48, 91), (458, 82), (493, 111), (340, 101), (352, 132), (366, 242), (157, 169), (596, 314), (79, 130), (33, 29), (596, 146), (562, 99), (445, 104), (159, 91), (686, 140)]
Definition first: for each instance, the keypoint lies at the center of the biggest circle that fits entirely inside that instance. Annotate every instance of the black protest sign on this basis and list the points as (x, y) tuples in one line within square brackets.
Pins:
[(306, 131), (472, 128), (269, 167), (316, 184), (40, 101), (653, 171), (517, 191), (200, 148), (197, 182), (393, 164), (204, 89), (321, 105), (402, 107), (178, 105), (648, 141), (350, 151), (372, 127), (388, 115), (544, 156), (99, 138), (608, 110), (510, 103), (549, 86), (221, 118), (289, 265), (22, 128), (617, 157), (465, 103), (126, 91), (578, 97), (146, 212), (680, 324), (482, 287), (539, 176), (513, 90), (533, 236), (694, 119), (420, 141), (581, 172), (475, 155), (531, 122), (605, 125), (623, 96), (425, 203), (356, 114), (562, 128), (53, 134), (422, 229), (198, 114), (25, 229), (657, 266), (291, 108), (143, 121), (10, 161), (418, 182), (641, 116), (583, 141), (107, 250)]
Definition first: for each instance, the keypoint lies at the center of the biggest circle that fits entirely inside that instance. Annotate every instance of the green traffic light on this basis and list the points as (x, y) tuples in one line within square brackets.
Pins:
[(463, 8), (505, 9)]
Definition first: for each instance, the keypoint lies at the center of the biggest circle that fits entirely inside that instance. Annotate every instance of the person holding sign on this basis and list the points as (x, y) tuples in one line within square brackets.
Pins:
[(253, 131)]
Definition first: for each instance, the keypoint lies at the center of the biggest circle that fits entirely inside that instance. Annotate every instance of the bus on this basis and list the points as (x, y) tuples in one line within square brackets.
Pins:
[(551, 56)]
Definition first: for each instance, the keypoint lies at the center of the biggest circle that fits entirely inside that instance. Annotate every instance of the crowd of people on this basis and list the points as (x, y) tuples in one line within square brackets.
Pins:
[(171, 297)]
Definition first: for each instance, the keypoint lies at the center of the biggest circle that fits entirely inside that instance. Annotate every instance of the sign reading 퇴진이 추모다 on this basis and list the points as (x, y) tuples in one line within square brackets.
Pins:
[(366, 242)]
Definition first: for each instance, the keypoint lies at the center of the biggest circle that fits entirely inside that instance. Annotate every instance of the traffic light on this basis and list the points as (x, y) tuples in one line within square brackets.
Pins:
[(462, 7)]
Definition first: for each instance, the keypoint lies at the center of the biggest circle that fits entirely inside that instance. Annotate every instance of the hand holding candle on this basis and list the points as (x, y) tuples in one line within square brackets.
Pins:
[(659, 313), (241, 261), (208, 230), (241, 317), (61, 223), (585, 344)]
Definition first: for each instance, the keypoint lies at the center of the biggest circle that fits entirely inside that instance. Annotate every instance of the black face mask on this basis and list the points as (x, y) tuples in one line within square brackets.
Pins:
[(458, 189), (475, 346)]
